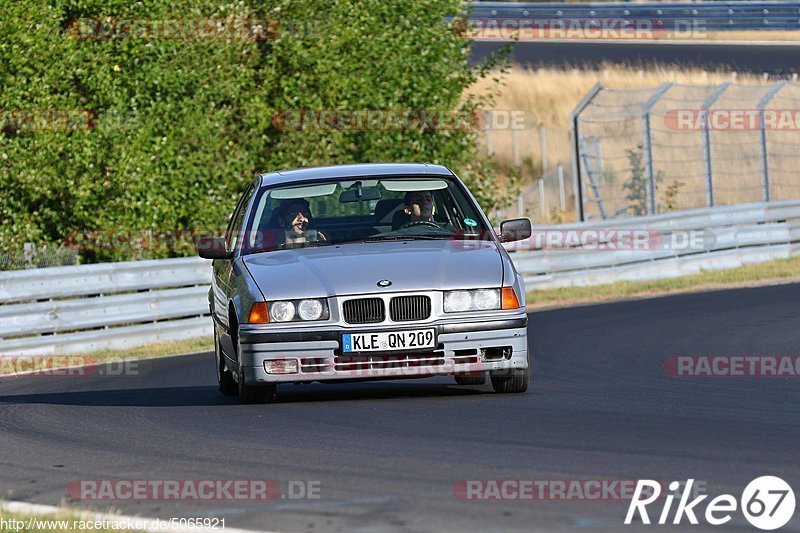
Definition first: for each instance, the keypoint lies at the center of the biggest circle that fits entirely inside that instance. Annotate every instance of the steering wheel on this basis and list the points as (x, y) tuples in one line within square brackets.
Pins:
[(421, 223)]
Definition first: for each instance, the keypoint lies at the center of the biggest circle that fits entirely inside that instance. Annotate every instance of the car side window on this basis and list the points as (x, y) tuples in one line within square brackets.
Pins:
[(234, 232)]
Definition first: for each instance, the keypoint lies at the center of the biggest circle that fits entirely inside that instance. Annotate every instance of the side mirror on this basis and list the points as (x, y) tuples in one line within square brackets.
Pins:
[(517, 229), (213, 248)]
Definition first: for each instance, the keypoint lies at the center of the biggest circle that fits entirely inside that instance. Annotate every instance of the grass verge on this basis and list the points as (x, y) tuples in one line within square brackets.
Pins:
[(146, 351), (161, 349), (768, 273)]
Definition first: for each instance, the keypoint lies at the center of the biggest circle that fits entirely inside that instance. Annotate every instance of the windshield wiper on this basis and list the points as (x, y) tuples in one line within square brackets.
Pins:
[(293, 245), (408, 238)]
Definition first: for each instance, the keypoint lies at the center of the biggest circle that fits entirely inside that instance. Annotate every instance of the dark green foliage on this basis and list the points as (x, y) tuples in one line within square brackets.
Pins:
[(175, 128)]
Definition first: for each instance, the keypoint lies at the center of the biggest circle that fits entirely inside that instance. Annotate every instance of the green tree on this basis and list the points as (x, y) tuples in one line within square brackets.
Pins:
[(179, 126)]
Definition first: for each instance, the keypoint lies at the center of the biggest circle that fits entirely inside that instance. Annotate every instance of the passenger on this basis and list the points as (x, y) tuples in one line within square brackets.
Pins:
[(294, 218)]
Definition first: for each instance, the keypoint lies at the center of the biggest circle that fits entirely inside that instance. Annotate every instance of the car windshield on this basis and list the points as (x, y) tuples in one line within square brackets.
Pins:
[(378, 209)]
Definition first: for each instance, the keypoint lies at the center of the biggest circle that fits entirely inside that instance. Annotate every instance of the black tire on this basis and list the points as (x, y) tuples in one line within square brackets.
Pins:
[(466, 379), (513, 381), (227, 385), (250, 394)]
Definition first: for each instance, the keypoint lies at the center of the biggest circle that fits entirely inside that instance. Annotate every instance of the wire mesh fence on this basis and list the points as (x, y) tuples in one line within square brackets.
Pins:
[(533, 151), (548, 199), (41, 257), (674, 147)]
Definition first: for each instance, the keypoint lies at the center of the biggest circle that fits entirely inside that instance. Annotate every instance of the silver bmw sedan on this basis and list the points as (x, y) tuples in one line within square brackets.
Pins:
[(373, 271)]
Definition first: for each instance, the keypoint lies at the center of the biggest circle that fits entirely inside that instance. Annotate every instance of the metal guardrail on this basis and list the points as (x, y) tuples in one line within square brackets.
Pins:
[(742, 15), (76, 309), (73, 309), (730, 236)]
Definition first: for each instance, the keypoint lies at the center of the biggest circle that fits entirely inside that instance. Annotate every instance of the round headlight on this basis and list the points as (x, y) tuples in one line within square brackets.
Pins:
[(456, 301), (487, 299), (281, 311), (310, 309)]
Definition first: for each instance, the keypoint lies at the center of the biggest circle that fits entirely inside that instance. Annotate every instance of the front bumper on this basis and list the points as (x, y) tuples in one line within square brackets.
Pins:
[(462, 348)]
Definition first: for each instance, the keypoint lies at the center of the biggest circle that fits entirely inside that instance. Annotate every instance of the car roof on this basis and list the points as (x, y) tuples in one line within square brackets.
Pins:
[(353, 171)]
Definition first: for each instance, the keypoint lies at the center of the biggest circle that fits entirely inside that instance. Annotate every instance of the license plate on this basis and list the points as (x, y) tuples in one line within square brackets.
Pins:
[(389, 340)]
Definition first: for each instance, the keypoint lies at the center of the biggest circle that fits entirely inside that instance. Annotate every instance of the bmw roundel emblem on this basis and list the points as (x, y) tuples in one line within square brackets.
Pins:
[(384, 283)]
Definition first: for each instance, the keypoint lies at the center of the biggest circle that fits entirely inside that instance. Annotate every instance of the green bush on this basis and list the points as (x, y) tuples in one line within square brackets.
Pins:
[(175, 128)]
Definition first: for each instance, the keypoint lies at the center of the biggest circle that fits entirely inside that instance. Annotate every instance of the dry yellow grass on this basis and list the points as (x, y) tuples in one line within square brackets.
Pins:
[(753, 35), (550, 95)]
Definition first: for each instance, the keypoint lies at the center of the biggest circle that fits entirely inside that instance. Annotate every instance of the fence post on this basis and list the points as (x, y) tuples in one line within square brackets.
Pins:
[(562, 194), (593, 183), (543, 145), (762, 106), (576, 147), (647, 147), (706, 130), (542, 206), (487, 127), (28, 251)]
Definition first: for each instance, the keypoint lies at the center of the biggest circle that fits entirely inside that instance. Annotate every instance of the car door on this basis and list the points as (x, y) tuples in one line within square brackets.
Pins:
[(223, 284)]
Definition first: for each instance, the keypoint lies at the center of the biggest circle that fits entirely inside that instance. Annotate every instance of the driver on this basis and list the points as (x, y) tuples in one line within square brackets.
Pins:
[(294, 218), (419, 206)]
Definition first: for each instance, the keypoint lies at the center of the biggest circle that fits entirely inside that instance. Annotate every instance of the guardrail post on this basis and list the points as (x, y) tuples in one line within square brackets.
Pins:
[(762, 106), (647, 147), (576, 148), (706, 131), (562, 195)]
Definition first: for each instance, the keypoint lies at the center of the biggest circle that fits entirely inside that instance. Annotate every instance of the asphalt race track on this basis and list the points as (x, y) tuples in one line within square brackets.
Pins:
[(387, 454), (773, 59)]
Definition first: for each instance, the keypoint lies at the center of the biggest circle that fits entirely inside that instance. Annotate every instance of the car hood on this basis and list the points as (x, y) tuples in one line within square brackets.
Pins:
[(356, 268)]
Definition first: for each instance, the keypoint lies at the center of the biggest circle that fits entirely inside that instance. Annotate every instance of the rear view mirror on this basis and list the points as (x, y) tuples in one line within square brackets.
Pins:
[(358, 193), (517, 229), (213, 248)]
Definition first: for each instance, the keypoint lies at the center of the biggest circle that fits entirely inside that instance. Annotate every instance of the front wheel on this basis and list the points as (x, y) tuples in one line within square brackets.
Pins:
[(514, 381), (227, 385), (250, 394)]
